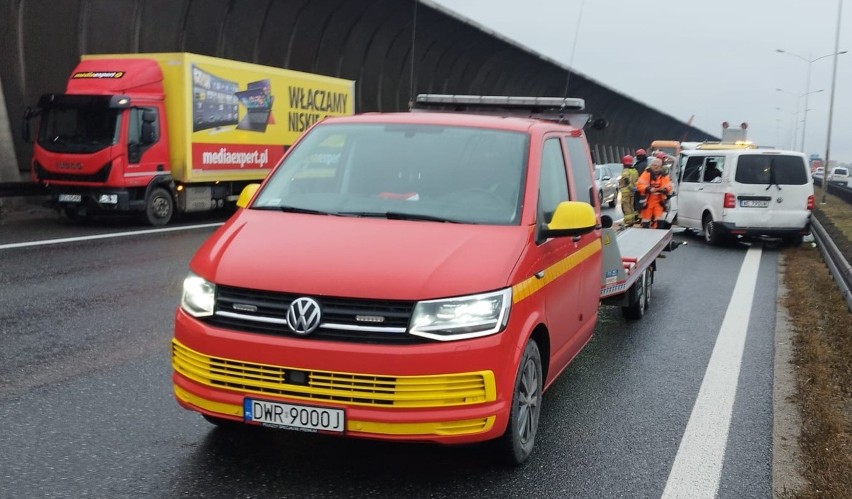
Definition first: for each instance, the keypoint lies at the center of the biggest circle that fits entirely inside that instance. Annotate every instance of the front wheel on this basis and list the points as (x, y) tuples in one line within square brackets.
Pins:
[(159, 207), (517, 442)]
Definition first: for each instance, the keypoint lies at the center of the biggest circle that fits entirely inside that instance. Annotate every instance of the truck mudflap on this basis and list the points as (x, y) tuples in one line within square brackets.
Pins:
[(629, 256)]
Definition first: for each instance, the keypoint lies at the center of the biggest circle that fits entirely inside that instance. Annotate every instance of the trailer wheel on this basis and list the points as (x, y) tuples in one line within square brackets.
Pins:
[(159, 207), (649, 285), (638, 299), (516, 444)]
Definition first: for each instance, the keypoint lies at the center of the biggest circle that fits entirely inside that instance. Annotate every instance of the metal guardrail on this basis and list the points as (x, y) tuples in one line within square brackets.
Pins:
[(841, 191), (834, 259)]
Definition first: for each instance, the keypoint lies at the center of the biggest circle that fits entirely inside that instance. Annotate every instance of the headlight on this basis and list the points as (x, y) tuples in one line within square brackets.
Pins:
[(461, 318), (198, 296)]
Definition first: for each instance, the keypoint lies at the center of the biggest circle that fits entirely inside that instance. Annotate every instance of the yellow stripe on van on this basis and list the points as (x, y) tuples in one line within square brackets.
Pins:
[(527, 287)]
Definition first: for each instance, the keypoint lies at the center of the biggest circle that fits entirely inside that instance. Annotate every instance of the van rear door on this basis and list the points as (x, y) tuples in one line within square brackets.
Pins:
[(772, 190)]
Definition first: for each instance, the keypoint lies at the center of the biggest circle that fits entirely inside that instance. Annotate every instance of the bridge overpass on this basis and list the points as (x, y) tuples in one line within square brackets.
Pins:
[(369, 41)]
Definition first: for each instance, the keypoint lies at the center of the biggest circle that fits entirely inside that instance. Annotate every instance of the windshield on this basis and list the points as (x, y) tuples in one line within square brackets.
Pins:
[(78, 129), (771, 169), (417, 172)]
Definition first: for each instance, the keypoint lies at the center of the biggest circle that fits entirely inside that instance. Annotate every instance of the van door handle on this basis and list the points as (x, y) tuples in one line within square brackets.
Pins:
[(701, 188)]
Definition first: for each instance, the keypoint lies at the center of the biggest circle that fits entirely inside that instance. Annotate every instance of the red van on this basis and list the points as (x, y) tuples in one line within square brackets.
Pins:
[(411, 276)]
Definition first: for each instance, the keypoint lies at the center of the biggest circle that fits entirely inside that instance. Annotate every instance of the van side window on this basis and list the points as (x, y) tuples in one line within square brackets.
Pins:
[(580, 170), (713, 169), (553, 184), (692, 169)]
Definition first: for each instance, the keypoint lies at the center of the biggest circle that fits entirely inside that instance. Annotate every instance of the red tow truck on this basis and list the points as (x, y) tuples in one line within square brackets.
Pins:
[(418, 276)]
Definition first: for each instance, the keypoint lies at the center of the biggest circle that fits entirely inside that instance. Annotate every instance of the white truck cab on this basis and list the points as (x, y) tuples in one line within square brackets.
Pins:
[(748, 192)]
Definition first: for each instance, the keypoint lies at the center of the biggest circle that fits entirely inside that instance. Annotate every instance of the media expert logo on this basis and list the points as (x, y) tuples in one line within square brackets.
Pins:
[(223, 156), (98, 75)]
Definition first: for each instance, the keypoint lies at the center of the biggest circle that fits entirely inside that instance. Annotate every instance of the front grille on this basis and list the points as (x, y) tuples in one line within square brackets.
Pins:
[(443, 390), (99, 176), (266, 312)]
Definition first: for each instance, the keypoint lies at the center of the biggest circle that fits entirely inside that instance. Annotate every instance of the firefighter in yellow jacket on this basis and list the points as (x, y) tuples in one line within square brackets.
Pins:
[(627, 185), (657, 187)]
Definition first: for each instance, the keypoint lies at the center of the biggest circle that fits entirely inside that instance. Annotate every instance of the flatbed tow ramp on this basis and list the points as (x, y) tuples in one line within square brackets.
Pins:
[(629, 262)]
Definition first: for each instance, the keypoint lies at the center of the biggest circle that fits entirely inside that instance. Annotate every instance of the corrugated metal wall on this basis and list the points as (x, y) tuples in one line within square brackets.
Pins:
[(365, 40)]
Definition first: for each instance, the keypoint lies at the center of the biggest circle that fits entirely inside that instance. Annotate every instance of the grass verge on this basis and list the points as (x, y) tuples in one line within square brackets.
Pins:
[(822, 332)]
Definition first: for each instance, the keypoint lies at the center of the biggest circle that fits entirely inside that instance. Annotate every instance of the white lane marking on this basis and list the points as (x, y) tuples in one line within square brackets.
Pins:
[(104, 236), (697, 469)]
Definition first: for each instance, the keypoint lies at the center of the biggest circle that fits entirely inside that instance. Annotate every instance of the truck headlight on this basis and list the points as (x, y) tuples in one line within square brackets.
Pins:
[(463, 317), (198, 296)]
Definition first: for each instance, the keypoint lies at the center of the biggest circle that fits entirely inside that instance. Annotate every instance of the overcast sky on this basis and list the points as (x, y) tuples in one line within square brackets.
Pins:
[(714, 60)]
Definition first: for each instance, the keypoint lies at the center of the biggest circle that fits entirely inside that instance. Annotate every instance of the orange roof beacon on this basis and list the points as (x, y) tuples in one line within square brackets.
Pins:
[(419, 276)]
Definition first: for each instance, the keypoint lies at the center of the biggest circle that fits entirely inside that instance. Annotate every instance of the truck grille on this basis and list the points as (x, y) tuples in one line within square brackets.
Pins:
[(99, 176), (343, 319), (444, 390)]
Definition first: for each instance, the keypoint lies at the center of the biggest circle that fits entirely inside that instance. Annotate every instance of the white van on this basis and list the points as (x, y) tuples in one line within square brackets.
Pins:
[(745, 192)]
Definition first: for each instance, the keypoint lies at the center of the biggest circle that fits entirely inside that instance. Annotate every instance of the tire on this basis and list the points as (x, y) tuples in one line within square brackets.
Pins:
[(614, 200), (793, 241), (711, 234), (635, 310), (159, 207), (516, 444), (649, 285)]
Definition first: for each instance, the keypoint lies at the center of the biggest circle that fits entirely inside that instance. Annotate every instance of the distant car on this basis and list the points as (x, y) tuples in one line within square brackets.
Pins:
[(818, 173), (838, 175), (606, 182)]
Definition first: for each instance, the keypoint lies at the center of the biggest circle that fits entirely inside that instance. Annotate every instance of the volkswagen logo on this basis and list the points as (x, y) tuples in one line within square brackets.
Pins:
[(304, 315)]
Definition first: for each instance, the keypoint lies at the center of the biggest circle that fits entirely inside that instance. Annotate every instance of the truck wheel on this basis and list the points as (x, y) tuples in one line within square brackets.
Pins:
[(638, 299), (516, 444), (159, 207)]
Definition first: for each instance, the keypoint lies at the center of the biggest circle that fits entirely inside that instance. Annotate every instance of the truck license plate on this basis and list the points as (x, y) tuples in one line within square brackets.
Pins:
[(294, 417), (751, 203), (70, 198)]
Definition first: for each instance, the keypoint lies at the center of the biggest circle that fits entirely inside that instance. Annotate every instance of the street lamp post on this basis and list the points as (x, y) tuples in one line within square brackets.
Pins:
[(808, 85), (831, 102), (796, 123)]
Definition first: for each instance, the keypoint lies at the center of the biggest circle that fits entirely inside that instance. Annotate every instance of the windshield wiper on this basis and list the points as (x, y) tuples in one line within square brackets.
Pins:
[(397, 215), (292, 209), (772, 179)]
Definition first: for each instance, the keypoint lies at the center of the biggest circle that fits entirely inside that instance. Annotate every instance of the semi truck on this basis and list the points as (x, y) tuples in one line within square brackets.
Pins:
[(161, 134), (410, 277)]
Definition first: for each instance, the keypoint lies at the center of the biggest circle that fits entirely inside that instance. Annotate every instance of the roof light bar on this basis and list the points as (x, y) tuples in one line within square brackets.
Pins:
[(534, 104), (558, 109)]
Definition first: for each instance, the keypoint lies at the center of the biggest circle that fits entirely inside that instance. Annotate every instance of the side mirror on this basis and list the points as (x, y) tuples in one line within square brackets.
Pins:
[(571, 218), (246, 196), (600, 124)]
